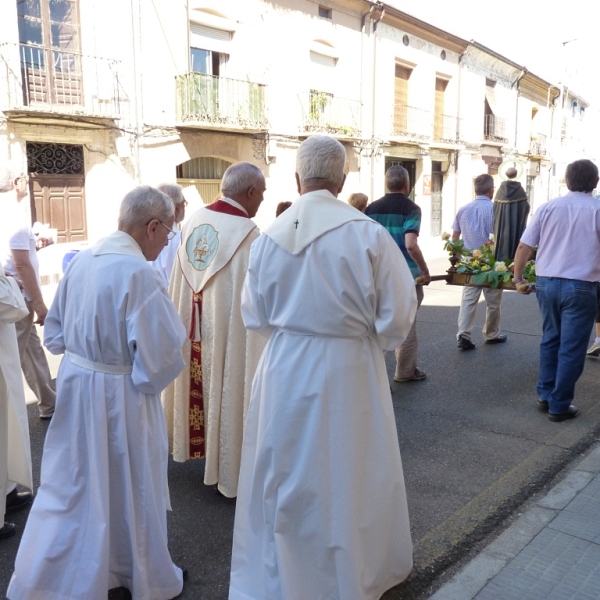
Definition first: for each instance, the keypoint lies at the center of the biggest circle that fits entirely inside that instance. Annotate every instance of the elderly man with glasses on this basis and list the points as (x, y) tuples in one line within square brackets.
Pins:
[(166, 259), (99, 518)]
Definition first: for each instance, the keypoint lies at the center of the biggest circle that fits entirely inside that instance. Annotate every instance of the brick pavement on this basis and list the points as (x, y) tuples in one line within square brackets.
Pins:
[(551, 553)]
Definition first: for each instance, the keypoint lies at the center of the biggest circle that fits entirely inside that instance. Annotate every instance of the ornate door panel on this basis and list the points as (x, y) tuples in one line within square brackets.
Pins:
[(60, 201), (56, 175)]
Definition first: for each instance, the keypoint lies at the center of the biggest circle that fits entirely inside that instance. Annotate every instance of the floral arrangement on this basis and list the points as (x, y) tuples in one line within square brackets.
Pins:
[(456, 248), (481, 264)]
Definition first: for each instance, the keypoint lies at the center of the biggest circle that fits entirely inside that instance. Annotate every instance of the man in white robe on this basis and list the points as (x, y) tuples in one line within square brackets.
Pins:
[(166, 259), (321, 509), (15, 450), (99, 517), (206, 405)]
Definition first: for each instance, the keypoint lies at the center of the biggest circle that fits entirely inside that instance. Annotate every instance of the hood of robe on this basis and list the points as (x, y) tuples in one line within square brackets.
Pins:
[(118, 242), (510, 191), (309, 217)]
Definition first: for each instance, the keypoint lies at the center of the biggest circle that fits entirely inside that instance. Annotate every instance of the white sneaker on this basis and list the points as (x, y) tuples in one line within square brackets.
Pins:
[(594, 349)]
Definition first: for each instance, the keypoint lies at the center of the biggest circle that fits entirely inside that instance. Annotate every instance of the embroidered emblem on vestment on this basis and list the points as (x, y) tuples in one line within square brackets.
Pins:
[(201, 246)]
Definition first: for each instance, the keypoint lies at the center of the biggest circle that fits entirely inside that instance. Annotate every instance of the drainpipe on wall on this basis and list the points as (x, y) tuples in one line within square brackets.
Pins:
[(518, 80), (363, 22), (552, 162), (382, 8), (459, 112)]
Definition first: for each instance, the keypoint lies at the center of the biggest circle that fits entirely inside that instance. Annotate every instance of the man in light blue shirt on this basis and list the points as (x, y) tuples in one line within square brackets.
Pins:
[(475, 222)]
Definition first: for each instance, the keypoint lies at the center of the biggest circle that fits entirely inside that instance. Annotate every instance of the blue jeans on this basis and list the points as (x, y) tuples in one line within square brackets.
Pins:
[(568, 308)]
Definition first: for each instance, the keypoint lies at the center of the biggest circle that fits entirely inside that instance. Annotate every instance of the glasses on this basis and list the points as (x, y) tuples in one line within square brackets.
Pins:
[(171, 233)]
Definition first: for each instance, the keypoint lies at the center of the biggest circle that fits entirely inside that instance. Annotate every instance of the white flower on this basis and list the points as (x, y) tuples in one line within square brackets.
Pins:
[(501, 267), (445, 236), (492, 237)]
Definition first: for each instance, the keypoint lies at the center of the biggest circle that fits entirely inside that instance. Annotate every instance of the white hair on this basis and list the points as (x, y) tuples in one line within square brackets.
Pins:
[(321, 159), (239, 178), (142, 204), (173, 190), (7, 179)]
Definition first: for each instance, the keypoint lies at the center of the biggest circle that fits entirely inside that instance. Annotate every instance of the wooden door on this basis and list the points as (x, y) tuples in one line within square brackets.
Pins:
[(59, 200)]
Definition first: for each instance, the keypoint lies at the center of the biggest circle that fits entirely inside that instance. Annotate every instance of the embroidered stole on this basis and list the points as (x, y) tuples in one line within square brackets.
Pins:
[(200, 255)]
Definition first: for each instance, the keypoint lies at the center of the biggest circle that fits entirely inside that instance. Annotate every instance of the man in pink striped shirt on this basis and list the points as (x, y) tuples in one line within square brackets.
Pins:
[(567, 233)]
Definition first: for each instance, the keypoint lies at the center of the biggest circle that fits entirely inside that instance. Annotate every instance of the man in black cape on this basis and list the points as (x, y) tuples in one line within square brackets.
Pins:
[(511, 210)]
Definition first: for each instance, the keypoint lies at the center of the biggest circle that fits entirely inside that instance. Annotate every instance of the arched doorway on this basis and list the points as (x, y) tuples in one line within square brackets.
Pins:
[(202, 177)]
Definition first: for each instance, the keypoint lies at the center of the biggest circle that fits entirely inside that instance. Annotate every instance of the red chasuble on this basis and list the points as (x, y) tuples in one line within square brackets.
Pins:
[(196, 418)]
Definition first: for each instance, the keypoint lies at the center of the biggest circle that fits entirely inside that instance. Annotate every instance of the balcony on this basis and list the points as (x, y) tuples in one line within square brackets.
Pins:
[(325, 113), (494, 129), (46, 81), (537, 145), (209, 100), (445, 129), (412, 122)]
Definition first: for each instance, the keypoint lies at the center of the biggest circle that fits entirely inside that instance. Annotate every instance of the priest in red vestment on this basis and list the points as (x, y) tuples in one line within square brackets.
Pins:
[(206, 405)]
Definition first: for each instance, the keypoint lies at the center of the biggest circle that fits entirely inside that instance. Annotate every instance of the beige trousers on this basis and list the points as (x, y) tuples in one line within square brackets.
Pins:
[(468, 310), (35, 364), (406, 355)]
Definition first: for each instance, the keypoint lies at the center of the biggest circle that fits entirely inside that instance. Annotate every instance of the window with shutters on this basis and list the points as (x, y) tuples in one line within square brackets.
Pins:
[(494, 126), (401, 79), (444, 126), (208, 47), (205, 95), (50, 51)]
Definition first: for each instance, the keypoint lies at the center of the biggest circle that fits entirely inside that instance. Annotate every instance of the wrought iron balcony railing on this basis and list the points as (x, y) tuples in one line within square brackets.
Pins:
[(211, 100), (412, 122), (537, 145), (39, 79), (327, 113), (494, 129), (445, 128)]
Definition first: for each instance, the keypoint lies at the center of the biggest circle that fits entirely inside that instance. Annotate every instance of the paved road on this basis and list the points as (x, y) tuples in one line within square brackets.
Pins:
[(473, 447)]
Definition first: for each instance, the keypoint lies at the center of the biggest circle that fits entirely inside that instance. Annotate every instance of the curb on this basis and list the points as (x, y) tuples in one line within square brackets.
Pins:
[(451, 540)]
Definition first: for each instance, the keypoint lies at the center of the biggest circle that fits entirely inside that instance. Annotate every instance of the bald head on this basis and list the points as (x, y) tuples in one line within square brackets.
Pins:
[(511, 172)]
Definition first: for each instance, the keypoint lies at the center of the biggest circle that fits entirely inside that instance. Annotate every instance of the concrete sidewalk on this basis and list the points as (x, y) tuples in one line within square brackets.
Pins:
[(551, 552)]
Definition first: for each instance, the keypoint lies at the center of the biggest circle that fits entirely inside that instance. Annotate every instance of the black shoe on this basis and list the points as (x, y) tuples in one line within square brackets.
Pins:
[(570, 413), (464, 343), (16, 500), (542, 405), (497, 340), (184, 571), (7, 530), (120, 593)]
